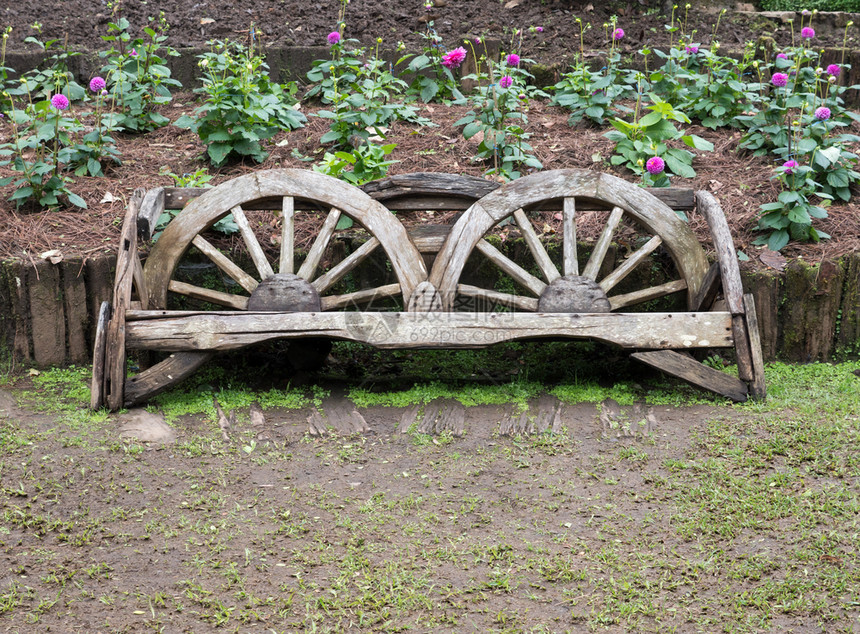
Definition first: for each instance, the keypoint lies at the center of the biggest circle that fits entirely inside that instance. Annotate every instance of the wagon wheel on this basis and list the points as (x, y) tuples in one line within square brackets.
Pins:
[(575, 286), (265, 206)]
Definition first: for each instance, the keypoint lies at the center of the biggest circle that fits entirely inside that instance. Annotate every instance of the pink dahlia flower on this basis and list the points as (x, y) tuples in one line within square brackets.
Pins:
[(506, 81), (60, 101), (333, 38), (655, 165), (97, 84), (453, 59)]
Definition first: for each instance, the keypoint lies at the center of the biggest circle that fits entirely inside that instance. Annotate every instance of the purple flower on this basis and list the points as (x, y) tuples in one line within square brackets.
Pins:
[(789, 166), (539, 29), (781, 56), (133, 52), (513, 59), (617, 34), (506, 81), (97, 84), (834, 70), (60, 101), (453, 59), (779, 79), (822, 113), (333, 38), (807, 33), (692, 49), (655, 165)]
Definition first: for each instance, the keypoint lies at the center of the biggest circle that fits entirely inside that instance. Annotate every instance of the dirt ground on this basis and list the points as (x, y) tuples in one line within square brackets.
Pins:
[(301, 23), (683, 514)]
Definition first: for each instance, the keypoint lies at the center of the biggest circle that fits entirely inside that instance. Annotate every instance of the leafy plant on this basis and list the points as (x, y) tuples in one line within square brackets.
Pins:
[(136, 74), (40, 133), (242, 106), (791, 215), (5, 97), (52, 77), (365, 163), (432, 79), (498, 119), (641, 139)]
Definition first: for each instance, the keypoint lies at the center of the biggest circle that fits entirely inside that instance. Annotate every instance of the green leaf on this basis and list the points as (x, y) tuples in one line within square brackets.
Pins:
[(698, 142), (76, 200), (777, 240), (429, 89), (330, 136), (595, 112), (650, 119), (471, 130), (218, 152), (679, 168), (344, 222), (805, 146)]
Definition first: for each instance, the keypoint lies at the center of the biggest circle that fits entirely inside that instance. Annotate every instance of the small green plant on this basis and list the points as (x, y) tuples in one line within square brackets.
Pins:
[(242, 106), (53, 76), (639, 141), (431, 70), (5, 84), (365, 163), (89, 153), (137, 77), (40, 133)]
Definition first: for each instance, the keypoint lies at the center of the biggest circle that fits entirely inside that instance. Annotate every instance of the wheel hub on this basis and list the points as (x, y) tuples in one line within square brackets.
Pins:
[(573, 294), (285, 292)]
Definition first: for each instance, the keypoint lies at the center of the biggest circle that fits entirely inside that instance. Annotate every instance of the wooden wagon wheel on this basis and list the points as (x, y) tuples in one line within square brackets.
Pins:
[(291, 283), (573, 287)]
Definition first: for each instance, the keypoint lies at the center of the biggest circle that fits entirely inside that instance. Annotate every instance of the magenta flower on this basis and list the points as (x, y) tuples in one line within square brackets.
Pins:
[(506, 81), (513, 59), (133, 52), (60, 101), (834, 70), (789, 166), (453, 59), (779, 79), (655, 165), (807, 33), (97, 84), (333, 38), (539, 29), (822, 113), (781, 56), (617, 34), (692, 49)]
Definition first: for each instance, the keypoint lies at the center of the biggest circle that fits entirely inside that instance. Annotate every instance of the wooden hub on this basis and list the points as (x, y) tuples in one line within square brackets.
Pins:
[(573, 294), (285, 292)]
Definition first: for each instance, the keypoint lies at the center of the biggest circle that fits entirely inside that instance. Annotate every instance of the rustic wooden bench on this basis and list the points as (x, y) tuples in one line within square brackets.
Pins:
[(429, 299)]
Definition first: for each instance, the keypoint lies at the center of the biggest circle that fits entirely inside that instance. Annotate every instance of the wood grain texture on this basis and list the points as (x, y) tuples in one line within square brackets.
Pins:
[(97, 383), (239, 302), (653, 215), (151, 208), (163, 375), (598, 254), (220, 330), (271, 186), (635, 258), (225, 264), (725, 247), (258, 257), (570, 264), (549, 270), (758, 388), (646, 294), (691, 371), (529, 281)]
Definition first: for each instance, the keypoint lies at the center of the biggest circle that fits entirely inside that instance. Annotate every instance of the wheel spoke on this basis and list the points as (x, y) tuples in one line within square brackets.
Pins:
[(549, 270), (224, 263), (571, 264), (529, 304), (646, 294), (510, 267), (239, 302), (608, 282), (592, 268), (254, 248), (333, 302), (312, 261), (324, 282), (287, 236)]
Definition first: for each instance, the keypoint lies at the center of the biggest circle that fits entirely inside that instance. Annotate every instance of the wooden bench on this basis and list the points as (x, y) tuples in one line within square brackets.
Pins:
[(292, 293)]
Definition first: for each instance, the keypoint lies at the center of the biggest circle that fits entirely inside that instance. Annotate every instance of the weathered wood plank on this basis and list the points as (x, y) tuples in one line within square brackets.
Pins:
[(98, 274), (758, 390), (595, 261), (691, 371), (545, 264), (609, 282), (239, 302), (258, 257), (286, 263), (711, 286), (221, 330), (528, 304), (162, 376), (331, 277), (150, 211), (98, 382), (225, 264), (312, 261), (359, 298), (725, 247), (571, 263), (47, 323), (75, 308), (646, 294), (510, 267)]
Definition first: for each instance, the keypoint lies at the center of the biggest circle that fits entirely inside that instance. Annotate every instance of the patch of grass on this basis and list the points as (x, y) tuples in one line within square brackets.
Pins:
[(468, 395)]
